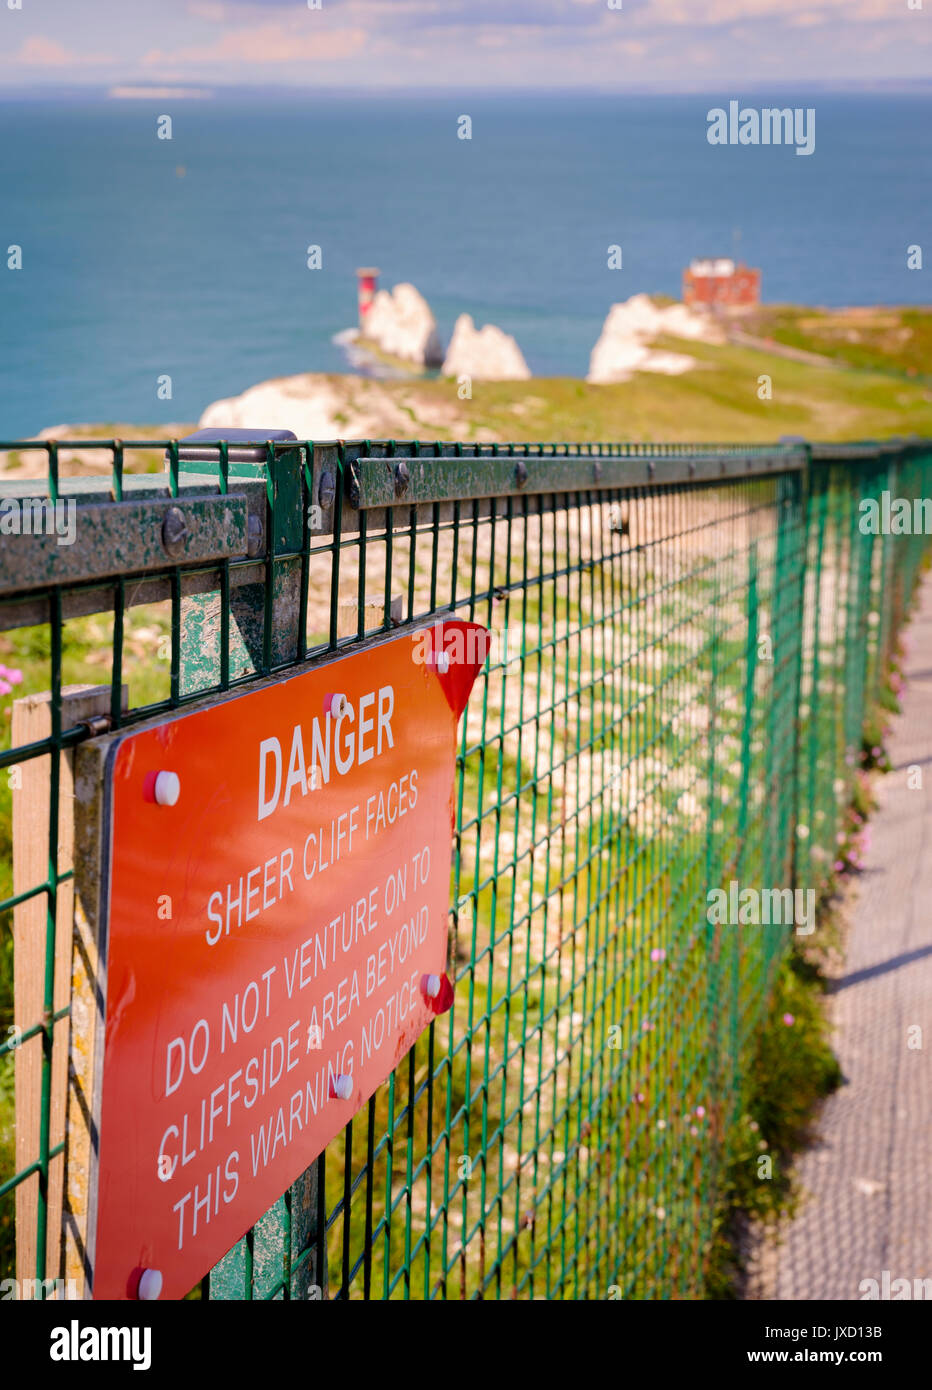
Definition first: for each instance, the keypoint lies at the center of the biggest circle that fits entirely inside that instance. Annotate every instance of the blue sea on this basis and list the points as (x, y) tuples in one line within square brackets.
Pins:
[(187, 257)]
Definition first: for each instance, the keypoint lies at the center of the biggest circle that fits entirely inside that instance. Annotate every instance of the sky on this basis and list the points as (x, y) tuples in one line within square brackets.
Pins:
[(617, 45)]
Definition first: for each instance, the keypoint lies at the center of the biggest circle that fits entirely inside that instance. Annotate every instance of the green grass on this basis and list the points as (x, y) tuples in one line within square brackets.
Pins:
[(897, 340), (717, 400), (868, 395)]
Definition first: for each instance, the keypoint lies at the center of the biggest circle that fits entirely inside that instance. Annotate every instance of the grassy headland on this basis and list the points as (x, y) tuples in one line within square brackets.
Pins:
[(874, 380)]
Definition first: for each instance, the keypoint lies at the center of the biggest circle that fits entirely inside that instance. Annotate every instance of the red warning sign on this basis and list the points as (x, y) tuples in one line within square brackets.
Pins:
[(276, 940)]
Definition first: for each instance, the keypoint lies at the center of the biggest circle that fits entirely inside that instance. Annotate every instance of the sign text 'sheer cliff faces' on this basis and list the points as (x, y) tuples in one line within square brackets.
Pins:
[(245, 898), (338, 739)]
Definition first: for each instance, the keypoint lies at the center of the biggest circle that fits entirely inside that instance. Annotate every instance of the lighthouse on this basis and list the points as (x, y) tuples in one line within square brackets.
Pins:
[(368, 279)]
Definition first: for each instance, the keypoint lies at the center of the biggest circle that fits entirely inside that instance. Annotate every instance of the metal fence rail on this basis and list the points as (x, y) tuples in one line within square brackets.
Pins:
[(687, 643)]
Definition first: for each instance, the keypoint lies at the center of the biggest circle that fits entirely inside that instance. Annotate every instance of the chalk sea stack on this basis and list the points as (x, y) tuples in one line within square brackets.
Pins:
[(400, 322), (485, 354)]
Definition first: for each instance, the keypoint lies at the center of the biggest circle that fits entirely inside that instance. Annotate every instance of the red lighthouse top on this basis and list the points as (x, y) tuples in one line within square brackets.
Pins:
[(368, 278)]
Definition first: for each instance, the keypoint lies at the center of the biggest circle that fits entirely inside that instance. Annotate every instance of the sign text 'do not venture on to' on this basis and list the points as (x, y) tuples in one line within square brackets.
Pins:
[(275, 939)]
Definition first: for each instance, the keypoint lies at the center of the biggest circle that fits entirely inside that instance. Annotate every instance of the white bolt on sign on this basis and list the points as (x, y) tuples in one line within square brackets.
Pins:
[(150, 1285), (167, 788)]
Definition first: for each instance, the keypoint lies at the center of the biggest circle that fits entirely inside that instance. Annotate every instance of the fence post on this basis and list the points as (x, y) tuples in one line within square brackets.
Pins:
[(801, 495), (714, 935), (749, 683), (861, 563), (817, 495), (263, 624)]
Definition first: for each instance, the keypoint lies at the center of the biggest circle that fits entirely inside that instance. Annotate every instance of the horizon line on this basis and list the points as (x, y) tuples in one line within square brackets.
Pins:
[(187, 88)]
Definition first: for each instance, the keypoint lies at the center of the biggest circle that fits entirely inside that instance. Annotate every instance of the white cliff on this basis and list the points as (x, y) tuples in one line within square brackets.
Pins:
[(306, 404), (624, 346), (485, 354), (316, 406)]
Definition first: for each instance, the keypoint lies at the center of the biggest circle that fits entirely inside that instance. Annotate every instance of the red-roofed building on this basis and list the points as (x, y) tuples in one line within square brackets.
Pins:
[(721, 285)]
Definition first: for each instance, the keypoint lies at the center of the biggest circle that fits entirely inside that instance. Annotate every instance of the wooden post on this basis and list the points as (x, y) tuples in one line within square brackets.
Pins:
[(32, 721)]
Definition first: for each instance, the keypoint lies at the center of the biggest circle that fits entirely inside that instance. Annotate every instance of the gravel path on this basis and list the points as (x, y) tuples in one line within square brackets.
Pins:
[(867, 1181)]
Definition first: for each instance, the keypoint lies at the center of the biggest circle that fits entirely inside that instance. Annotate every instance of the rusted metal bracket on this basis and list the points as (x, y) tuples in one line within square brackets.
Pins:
[(409, 481), (86, 541), (71, 542)]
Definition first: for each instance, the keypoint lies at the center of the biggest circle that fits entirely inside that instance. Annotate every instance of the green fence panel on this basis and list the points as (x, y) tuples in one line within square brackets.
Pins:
[(687, 643)]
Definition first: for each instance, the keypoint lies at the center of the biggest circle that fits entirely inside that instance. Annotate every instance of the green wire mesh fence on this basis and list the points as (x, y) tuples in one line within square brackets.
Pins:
[(687, 645)]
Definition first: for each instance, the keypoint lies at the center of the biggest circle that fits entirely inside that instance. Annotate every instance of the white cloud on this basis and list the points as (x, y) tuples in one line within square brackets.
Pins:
[(40, 52), (717, 12), (265, 43), (526, 43), (207, 9)]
